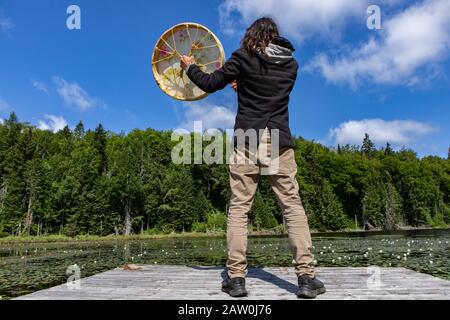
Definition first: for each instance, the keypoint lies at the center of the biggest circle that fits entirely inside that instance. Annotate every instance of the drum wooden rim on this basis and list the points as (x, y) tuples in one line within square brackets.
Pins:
[(171, 31)]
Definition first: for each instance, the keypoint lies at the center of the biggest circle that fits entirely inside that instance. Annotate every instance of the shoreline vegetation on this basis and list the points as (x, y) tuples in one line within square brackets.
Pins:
[(195, 235), (77, 182)]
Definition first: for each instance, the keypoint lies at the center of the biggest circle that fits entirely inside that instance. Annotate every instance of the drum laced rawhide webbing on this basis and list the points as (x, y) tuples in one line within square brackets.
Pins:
[(185, 39)]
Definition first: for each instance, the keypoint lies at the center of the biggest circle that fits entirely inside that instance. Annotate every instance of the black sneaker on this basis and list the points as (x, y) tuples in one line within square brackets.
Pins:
[(309, 288), (235, 287)]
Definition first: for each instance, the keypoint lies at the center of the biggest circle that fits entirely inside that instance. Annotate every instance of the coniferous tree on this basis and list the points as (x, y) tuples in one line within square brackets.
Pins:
[(79, 130), (13, 182), (262, 215), (388, 151), (373, 211), (100, 140), (368, 147), (393, 207), (331, 215)]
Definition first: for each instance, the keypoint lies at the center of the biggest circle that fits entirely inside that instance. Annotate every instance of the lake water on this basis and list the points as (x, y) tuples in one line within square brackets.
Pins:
[(25, 268)]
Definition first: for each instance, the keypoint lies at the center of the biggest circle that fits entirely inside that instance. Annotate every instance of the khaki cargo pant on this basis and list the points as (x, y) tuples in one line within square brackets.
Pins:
[(244, 179)]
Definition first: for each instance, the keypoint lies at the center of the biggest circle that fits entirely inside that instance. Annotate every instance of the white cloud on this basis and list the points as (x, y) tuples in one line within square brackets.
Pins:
[(4, 105), (75, 96), (407, 51), (396, 132), (52, 123), (297, 18), (6, 24), (211, 116), (39, 86)]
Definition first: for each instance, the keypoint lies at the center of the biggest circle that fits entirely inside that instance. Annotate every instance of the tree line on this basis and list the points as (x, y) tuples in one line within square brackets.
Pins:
[(96, 182)]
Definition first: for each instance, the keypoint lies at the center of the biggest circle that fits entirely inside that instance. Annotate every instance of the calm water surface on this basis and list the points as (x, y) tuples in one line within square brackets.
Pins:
[(25, 268)]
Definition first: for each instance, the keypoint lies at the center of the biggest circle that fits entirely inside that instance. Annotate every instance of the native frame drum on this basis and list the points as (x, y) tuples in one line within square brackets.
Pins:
[(189, 39)]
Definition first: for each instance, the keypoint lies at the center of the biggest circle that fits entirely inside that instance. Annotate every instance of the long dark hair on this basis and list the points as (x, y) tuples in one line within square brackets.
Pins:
[(259, 35)]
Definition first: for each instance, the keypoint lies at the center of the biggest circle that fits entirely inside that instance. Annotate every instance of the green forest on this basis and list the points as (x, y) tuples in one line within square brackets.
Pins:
[(95, 182)]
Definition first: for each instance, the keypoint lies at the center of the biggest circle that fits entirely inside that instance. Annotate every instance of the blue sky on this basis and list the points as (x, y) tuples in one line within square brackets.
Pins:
[(391, 83)]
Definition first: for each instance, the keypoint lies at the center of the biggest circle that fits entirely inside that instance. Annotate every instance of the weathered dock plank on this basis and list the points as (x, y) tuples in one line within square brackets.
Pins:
[(203, 283)]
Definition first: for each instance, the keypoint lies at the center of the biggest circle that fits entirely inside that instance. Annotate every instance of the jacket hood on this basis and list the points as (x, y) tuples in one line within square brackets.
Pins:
[(279, 51)]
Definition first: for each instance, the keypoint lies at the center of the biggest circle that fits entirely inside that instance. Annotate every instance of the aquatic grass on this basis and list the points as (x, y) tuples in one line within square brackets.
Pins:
[(26, 267), (91, 238)]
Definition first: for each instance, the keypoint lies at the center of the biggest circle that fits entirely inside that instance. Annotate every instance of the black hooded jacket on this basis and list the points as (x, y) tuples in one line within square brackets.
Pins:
[(265, 82)]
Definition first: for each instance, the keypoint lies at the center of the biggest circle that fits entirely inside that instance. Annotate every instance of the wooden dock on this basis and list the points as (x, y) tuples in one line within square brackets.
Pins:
[(203, 283)]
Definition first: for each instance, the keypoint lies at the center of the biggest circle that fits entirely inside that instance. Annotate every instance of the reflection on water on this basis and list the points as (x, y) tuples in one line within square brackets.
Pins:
[(25, 268)]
